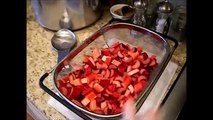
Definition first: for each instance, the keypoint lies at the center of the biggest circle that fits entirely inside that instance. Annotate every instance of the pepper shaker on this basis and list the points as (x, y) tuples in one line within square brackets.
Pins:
[(164, 10), (140, 7)]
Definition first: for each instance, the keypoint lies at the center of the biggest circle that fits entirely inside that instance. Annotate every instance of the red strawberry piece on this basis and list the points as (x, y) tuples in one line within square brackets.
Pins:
[(107, 73), (132, 72), (95, 71), (111, 72), (105, 51), (85, 101), (117, 83), (131, 89), (127, 59), (95, 53), (104, 83), (91, 95), (112, 66), (139, 49), (142, 77), (116, 94), (76, 102), (121, 69), (121, 90), (120, 54), (98, 87), (115, 62), (126, 82), (136, 65), (138, 87), (146, 61), (153, 63), (93, 105), (92, 61), (77, 82), (99, 100), (111, 87), (63, 90), (74, 93), (87, 70)]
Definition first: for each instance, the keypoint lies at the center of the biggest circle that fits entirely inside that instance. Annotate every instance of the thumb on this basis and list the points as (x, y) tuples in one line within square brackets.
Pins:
[(129, 110)]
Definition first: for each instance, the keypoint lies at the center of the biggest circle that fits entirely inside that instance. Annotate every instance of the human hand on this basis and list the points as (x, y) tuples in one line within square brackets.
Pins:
[(129, 113)]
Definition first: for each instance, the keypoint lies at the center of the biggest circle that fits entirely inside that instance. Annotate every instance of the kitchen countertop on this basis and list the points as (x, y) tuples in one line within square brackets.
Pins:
[(41, 57)]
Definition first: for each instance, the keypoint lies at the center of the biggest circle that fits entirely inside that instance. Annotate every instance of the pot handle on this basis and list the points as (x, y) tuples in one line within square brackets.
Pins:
[(65, 103)]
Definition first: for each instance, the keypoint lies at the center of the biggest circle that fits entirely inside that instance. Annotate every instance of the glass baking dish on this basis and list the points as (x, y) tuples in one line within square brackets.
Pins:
[(151, 42)]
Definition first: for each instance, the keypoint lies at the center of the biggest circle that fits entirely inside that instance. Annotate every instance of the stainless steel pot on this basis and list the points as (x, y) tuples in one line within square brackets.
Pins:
[(71, 14)]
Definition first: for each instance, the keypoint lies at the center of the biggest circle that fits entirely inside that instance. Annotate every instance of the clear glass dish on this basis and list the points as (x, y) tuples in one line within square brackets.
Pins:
[(151, 42)]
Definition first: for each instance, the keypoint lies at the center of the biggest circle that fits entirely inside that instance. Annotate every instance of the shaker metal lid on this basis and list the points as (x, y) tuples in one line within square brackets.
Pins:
[(165, 7)]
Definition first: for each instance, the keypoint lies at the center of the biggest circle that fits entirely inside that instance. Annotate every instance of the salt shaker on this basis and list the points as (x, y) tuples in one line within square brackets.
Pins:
[(164, 10)]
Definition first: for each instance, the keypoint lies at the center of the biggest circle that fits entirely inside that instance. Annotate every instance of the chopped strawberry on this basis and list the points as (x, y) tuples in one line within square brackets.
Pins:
[(139, 49), (105, 51), (92, 61), (98, 87), (127, 59), (99, 100), (112, 87), (101, 66), (121, 69), (85, 101), (63, 90), (112, 66), (129, 68), (138, 87), (153, 63), (96, 71), (132, 72), (120, 54), (146, 61), (115, 62), (107, 74), (111, 72), (77, 82), (104, 83), (134, 55), (136, 65), (116, 94), (127, 93), (103, 105), (142, 77), (131, 89), (87, 70), (76, 102), (84, 80), (95, 53), (126, 82), (91, 95), (74, 93), (93, 105), (121, 90), (117, 83), (107, 59)]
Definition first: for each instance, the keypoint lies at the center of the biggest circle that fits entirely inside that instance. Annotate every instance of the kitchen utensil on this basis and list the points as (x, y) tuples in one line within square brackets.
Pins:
[(71, 14), (164, 10), (63, 40), (122, 11), (150, 41)]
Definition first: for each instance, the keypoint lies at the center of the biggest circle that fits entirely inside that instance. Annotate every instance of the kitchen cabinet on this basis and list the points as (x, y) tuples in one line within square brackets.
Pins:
[(41, 57)]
